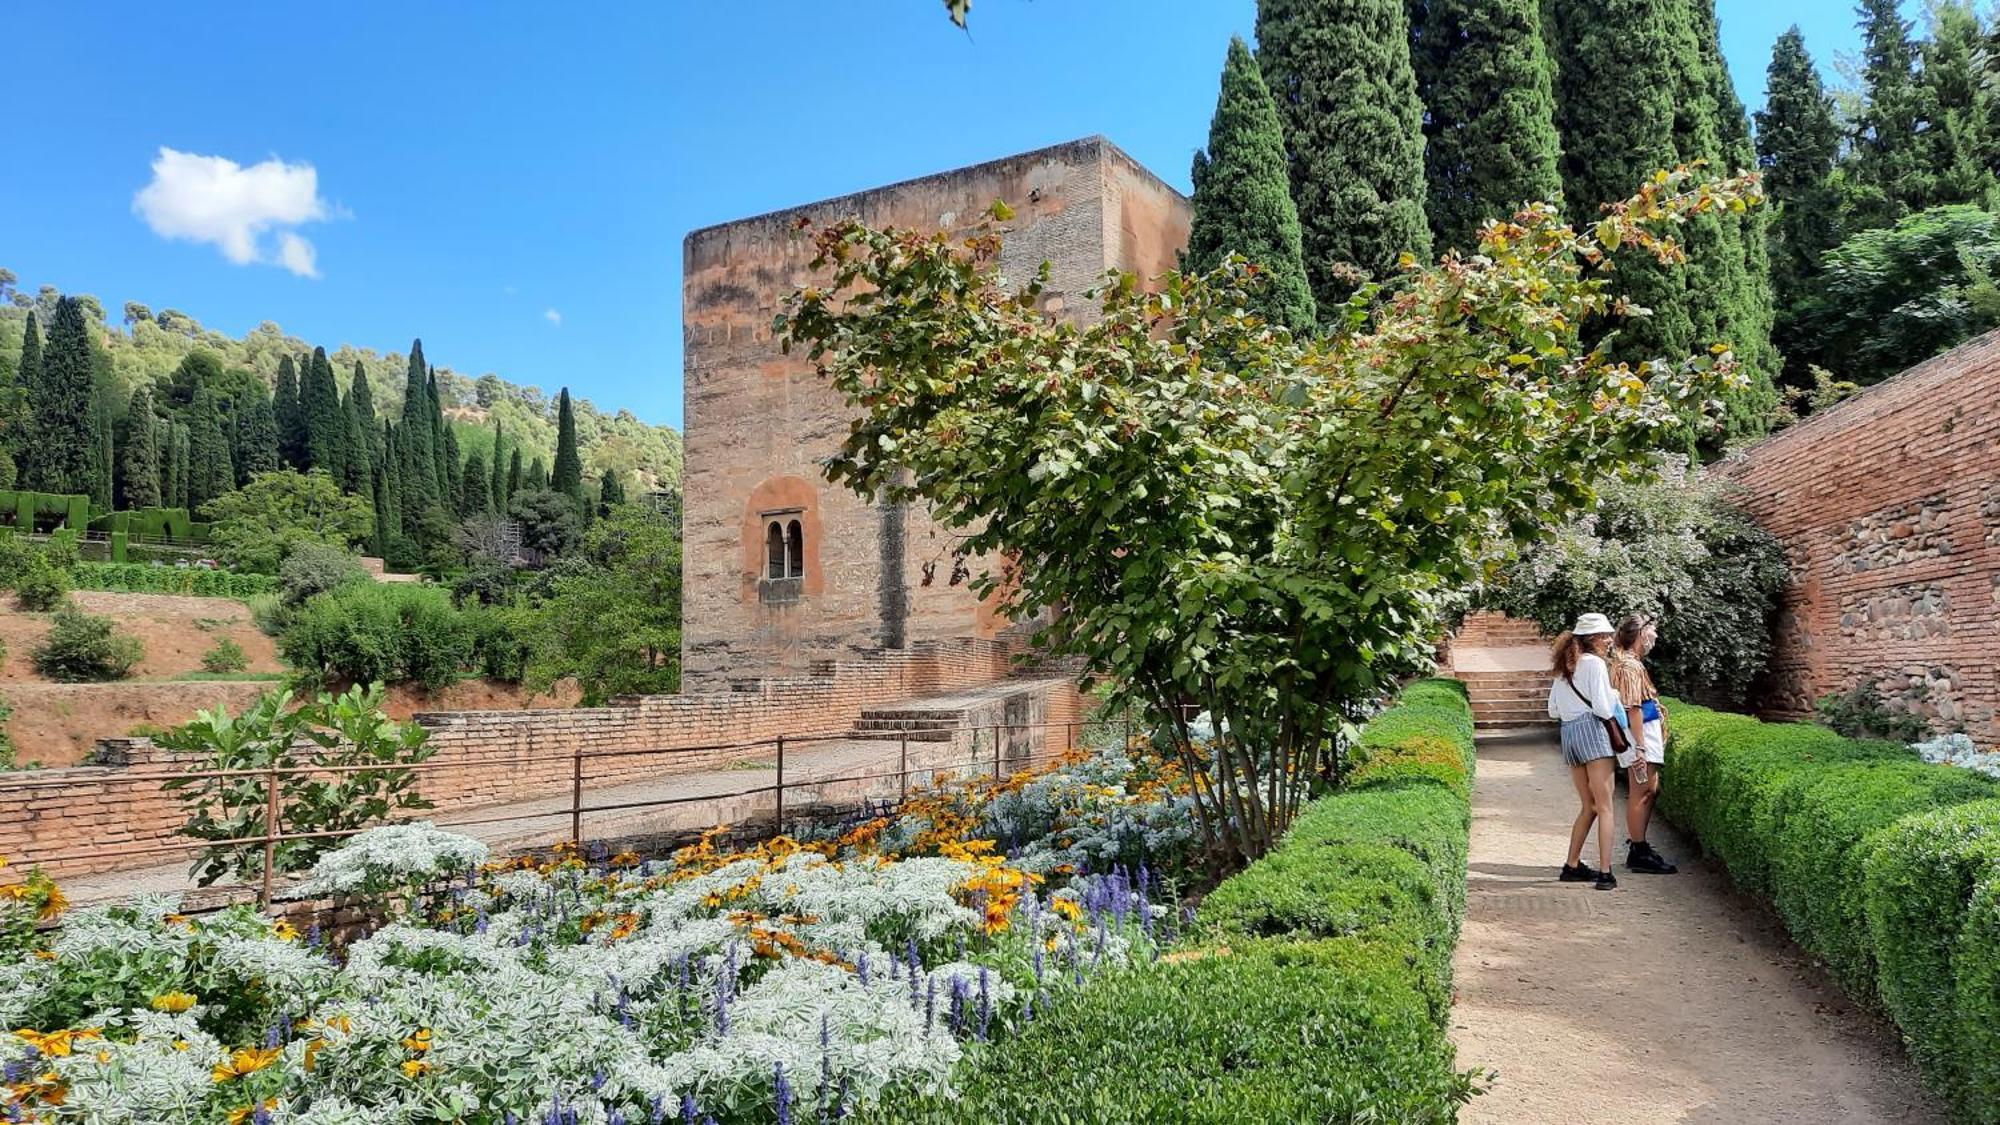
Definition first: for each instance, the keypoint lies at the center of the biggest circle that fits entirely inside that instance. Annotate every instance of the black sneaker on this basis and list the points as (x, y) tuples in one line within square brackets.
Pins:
[(1581, 873), (1606, 881), (1644, 860)]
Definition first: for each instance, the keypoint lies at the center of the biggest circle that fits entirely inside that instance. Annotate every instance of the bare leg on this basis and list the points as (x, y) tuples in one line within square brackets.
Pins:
[(1586, 813), (1603, 775), (1639, 800)]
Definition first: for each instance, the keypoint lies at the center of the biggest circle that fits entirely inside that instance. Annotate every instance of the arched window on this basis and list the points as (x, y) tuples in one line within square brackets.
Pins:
[(795, 550), (774, 550)]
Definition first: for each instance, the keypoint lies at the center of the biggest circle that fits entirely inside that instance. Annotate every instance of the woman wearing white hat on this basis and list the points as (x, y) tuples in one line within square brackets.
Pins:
[(1581, 697)]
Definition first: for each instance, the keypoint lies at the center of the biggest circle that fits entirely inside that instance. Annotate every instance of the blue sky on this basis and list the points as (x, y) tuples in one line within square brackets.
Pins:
[(513, 184)]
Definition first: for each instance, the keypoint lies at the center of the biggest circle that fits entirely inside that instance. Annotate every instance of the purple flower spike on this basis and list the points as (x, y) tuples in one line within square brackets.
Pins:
[(784, 1096), (688, 1109)]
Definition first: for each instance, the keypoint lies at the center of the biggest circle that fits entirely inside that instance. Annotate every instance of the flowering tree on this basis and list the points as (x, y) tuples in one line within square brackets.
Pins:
[(1221, 512)]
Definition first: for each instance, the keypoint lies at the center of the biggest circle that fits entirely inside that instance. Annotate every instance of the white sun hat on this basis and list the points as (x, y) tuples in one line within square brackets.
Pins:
[(1590, 624)]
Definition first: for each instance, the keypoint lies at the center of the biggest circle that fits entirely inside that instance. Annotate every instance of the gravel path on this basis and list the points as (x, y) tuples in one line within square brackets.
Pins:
[(1670, 999)]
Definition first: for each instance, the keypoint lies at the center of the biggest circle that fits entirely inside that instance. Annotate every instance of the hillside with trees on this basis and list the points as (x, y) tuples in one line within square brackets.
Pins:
[(139, 347)]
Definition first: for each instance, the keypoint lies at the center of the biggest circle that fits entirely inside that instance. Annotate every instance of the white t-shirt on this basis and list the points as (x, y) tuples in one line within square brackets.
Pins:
[(1593, 679)]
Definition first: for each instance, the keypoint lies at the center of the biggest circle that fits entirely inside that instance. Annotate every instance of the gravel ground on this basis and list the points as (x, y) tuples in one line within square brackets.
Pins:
[(1672, 998)]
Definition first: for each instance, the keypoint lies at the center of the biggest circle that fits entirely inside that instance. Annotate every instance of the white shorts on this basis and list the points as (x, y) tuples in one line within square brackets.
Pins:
[(1656, 746)]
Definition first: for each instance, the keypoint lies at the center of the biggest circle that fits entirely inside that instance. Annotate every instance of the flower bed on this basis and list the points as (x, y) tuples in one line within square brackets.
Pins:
[(1885, 866), (1316, 988), (792, 982)]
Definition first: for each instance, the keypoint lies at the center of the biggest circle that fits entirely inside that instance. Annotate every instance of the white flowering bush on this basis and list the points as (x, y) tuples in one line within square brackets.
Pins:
[(792, 982), (395, 857), (1958, 750)]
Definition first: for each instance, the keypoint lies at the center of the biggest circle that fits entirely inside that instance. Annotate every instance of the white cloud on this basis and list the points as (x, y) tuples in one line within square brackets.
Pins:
[(214, 199), (553, 317)]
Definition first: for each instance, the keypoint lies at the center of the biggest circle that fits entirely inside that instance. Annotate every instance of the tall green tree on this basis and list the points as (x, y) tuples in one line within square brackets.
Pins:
[(441, 462), (388, 496), (104, 462), (1340, 71), (62, 406), (325, 419), (1243, 194), (611, 492), (568, 476), (454, 485), (1490, 142), (538, 477), (499, 482), (1640, 87), (20, 402), (210, 473), (139, 467), (361, 409), (256, 436), (421, 504), (478, 492), (286, 411), (1798, 144), (1889, 165), (515, 478), (1957, 91)]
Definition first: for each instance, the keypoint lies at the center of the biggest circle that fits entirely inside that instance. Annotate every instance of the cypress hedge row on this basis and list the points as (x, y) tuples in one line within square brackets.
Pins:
[(1884, 866), (143, 578), (1318, 982)]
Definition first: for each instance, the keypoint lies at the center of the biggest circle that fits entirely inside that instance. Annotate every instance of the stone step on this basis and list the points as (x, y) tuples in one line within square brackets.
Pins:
[(1537, 694), (879, 722), (932, 715), (860, 734)]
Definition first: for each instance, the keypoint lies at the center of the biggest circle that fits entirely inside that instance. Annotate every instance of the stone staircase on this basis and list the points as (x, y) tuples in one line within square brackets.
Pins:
[(1504, 665), (918, 724)]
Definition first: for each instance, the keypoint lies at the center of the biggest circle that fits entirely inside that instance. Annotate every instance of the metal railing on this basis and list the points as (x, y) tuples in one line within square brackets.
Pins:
[(275, 833)]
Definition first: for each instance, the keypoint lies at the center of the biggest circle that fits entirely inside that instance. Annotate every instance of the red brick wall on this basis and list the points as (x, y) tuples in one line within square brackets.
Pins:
[(55, 818), (1889, 507)]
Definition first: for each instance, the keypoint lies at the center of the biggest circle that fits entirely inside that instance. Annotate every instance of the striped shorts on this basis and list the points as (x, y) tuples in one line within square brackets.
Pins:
[(1584, 740)]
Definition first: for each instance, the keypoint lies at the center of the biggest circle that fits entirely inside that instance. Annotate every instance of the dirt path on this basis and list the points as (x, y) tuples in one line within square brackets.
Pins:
[(1719, 1020)]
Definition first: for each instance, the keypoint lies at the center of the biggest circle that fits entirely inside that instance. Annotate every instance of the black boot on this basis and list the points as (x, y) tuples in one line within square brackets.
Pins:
[(1643, 860), (1581, 873)]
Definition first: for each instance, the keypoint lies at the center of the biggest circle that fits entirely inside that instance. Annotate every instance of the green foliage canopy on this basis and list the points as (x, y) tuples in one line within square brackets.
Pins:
[(257, 525)]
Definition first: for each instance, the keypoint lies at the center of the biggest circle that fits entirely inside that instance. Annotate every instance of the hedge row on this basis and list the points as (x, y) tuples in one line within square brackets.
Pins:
[(1319, 983), (140, 578), (1886, 867)]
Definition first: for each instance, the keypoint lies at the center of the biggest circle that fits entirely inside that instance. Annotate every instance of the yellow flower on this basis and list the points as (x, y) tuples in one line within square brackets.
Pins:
[(240, 1115), (1067, 907), (173, 1002), (249, 1060), (421, 1041), (56, 1044), (340, 1023), (283, 930), (414, 1067)]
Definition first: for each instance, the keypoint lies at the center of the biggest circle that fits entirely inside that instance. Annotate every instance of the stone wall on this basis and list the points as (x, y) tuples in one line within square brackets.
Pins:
[(758, 422), (1889, 508), (54, 818)]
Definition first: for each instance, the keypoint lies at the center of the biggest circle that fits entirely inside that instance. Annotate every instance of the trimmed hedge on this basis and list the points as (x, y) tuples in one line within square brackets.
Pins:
[(141, 578), (1319, 984), (1883, 865)]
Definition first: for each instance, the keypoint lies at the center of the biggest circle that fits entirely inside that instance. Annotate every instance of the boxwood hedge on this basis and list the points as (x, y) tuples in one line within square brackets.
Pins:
[(1886, 867), (1317, 986)]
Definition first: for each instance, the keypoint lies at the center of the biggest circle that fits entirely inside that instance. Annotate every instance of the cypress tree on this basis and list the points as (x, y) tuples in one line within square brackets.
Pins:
[(612, 492), (538, 477), (177, 466), (290, 419), (62, 406), (209, 472), (358, 427), (139, 468), (325, 419), (1243, 195), (1490, 141), (1640, 87), (104, 470), (1797, 145), (256, 436), (1955, 96), (1340, 71), (515, 481), (361, 409), (416, 462), (498, 474), (440, 457), (27, 378), (1888, 163), (388, 495), (568, 476), (455, 481), (478, 493)]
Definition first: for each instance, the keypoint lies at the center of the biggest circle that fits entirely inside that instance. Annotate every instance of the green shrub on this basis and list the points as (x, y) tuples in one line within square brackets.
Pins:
[(81, 648), (224, 655), (1920, 878), (1977, 1000), (15, 555), (367, 632), (1261, 1031), (314, 568), (146, 578), (1321, 990), (1821, 823), (42, 585)]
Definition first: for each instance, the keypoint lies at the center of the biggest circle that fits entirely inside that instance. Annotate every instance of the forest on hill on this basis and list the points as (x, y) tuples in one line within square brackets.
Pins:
[(143, 347)]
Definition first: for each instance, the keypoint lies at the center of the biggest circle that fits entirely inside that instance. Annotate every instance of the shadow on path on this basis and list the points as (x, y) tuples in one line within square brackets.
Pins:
[(1670, 999)]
